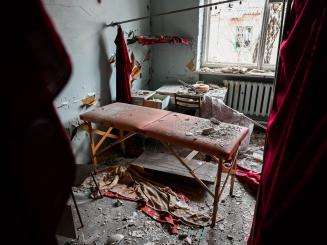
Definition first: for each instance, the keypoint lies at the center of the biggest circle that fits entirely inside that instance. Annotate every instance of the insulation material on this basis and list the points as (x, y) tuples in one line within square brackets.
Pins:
[(190, 65), (136, 72), (89, 100), (214, 107)]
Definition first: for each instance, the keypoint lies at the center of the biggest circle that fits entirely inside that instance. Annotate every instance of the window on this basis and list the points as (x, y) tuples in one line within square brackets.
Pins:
[(244, 33)]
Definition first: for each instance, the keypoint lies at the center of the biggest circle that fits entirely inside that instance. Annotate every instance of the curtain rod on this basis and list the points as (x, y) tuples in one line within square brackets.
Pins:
[(171, 12)]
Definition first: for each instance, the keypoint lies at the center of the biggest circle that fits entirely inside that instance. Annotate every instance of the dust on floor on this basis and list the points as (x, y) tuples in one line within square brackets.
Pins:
[(103, 218)]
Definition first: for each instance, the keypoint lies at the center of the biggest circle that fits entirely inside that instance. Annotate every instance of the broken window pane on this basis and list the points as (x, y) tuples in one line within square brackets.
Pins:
[(273, 33), (234, 32)]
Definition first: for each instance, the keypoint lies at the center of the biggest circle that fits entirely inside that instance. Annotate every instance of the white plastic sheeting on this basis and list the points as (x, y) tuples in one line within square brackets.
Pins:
[(214, 107)]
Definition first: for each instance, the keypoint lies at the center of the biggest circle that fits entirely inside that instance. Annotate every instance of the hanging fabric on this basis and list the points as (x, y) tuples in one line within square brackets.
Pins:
[(143, 40), (291, 206), (249, 178), (38, 164), (124, 69)]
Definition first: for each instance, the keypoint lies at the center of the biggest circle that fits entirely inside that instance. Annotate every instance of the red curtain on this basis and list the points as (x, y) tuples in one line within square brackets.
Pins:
[(37, 160), (123, 69), (290, 205)]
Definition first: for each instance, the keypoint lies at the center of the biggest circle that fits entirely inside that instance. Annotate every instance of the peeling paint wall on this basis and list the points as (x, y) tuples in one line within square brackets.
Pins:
[(80, 24), (169, 61)]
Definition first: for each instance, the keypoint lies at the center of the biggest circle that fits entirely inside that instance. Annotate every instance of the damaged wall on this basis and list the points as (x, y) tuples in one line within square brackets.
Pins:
[(89, 44), (169, 61)]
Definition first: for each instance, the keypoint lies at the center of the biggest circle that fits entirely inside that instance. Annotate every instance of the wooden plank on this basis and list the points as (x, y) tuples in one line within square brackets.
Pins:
[(191, 156), (102, 139), (169, 164), (181, 160), (101, 133)]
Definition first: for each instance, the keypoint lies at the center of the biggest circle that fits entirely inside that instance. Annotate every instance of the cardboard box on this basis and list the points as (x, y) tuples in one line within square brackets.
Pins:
[(157, 101), (139, 96)]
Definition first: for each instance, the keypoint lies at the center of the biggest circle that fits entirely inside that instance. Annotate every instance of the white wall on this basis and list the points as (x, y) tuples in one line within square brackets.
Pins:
[(80, 24), (169, 61)]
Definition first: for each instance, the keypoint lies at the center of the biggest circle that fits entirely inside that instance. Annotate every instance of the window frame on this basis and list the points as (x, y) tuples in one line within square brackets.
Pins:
[(260, 56)]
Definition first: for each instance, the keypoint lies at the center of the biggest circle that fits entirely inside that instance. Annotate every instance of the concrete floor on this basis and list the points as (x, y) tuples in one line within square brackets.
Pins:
[(103, 219)]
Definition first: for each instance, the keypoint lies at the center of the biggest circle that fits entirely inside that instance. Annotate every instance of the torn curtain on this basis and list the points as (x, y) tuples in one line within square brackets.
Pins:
[(290, 206), (124, 69), (143, 40), (38, 161)]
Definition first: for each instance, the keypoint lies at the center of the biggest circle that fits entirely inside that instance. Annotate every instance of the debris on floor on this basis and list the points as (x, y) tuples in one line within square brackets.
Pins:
[(115, 239), (116, 221), (118, 203), (157, 201), (166, 163)]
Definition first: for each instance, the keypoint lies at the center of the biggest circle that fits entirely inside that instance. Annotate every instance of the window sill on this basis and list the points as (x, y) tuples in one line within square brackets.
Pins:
[(248, 76)]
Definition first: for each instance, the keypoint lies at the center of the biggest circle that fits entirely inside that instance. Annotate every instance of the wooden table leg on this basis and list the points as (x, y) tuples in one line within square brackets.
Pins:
[(183, 162), (233, 173), (92, 146), (217, 191), (122, 144), (232, 179), (93, 157), (77, 209)]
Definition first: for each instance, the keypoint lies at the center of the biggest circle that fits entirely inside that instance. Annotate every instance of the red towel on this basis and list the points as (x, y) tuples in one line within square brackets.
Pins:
[(249, 178), (124, 69)]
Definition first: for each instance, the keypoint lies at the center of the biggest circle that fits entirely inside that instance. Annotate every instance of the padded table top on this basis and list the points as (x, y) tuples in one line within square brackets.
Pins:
[(124, 116), (186, 130), (175, 128)]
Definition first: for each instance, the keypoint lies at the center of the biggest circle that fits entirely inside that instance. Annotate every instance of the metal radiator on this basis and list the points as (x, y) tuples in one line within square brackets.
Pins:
[(251, 98)]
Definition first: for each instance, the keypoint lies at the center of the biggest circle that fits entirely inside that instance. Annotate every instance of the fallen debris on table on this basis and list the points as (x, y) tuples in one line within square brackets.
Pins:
[(217, 111), (208, 131), (215, 121)]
